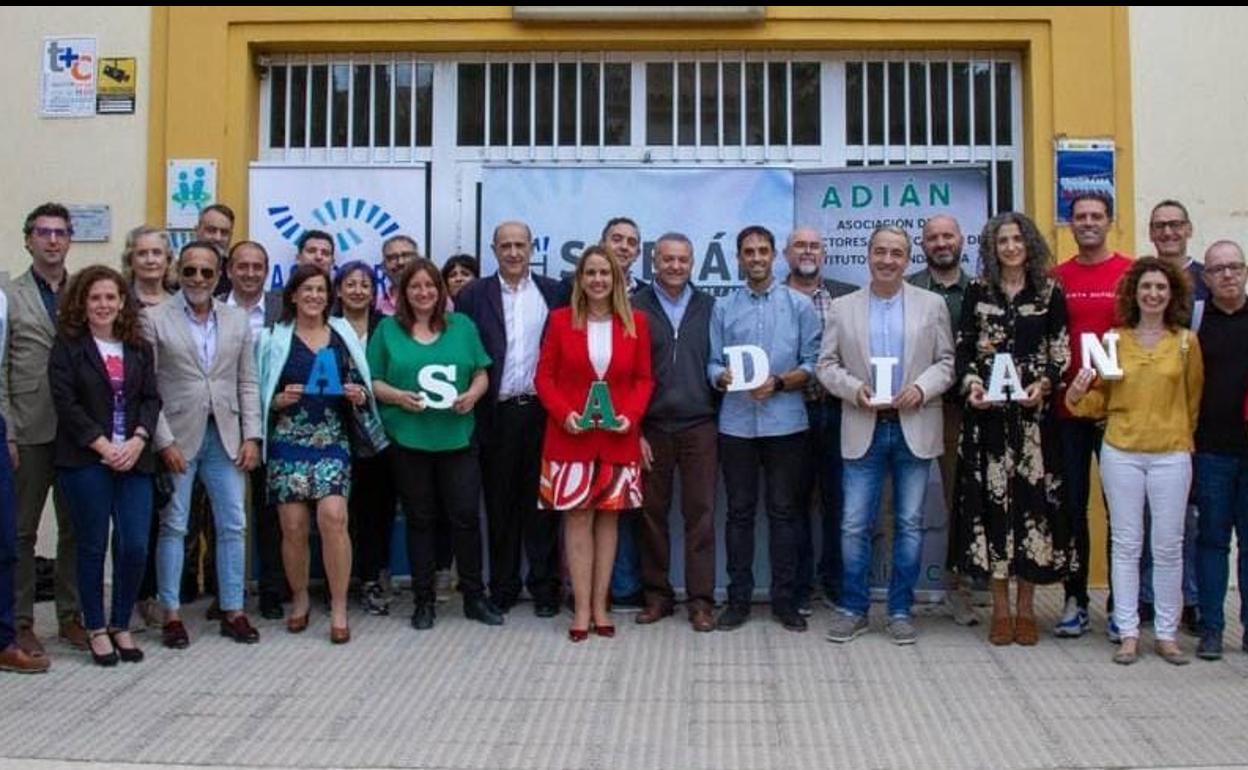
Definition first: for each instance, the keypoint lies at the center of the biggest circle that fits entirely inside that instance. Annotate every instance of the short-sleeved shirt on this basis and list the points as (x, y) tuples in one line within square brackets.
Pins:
[(397, 359)]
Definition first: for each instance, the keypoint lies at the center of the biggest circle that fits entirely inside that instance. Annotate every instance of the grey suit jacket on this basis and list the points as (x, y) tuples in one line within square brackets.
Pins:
[(25, 397), (845, 364), (227, 391)]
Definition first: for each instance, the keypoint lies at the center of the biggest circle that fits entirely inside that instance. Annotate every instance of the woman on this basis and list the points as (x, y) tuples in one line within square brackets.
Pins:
[(370, 508), (429, 371), (459, 271), (104, 386), (307, 437), (591, 463), (1147, 450), (145, 265), (1008, 489)]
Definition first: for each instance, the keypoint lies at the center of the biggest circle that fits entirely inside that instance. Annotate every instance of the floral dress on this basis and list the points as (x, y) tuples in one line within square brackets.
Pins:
[(1010, 520), (310, 451)]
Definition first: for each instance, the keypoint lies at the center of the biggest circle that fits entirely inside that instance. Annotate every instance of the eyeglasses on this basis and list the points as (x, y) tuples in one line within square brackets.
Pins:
[(205, 273), (48, 232), (1233, 268), (397, 255), (1170, 224)]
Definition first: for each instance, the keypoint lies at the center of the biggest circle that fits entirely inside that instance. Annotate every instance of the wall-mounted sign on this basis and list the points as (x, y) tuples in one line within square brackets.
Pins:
[(118, 84), (190, 186), (67, 82), (1083, 165)]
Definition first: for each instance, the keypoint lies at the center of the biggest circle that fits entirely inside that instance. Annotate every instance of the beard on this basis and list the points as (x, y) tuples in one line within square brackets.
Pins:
[(807, 269), (943, 260)]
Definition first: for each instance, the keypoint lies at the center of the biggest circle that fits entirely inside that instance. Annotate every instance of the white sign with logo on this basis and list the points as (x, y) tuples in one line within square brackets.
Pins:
[(190, 187), (68, 81), (567, 207), (359, 207), (847, 204)]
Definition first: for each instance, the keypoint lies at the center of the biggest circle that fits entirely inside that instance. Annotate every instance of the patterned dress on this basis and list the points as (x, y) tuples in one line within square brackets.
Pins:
[(310, 452), (1011, 521)]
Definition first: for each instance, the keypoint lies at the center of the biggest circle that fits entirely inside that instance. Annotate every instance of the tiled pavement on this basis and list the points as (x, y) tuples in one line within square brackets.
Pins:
[(659, 697)]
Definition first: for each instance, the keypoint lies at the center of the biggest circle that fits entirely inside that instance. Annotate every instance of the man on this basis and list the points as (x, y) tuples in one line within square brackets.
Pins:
[(316, 247), (27, 404), (248, 266), (1170, 230), (12, 656), (942, 251), (510, 309), (887, 319), (805, 253), (1221, 487), (764, 427), (622, 239), (678, 434), (1089, 281), (209, 429), (396, 253), (216, 226)]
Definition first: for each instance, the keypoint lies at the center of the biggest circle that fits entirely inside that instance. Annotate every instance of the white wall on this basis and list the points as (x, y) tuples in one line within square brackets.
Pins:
[(96, 160), (1189, 84)]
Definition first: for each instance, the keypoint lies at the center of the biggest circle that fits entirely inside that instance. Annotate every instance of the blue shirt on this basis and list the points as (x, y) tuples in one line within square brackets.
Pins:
[(48, 294), (887, 319), (782, 322), (674, 309)]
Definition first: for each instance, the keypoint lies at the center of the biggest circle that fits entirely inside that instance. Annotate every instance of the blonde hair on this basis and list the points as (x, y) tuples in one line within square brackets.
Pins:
[(620, 306), (127, 255)]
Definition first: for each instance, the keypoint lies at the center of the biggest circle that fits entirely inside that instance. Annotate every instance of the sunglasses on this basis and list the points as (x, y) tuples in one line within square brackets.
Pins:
[(206, 273)]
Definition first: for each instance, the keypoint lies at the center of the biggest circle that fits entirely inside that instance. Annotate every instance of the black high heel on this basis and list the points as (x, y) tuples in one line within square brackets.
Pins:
[(109, 658), (127, 654)]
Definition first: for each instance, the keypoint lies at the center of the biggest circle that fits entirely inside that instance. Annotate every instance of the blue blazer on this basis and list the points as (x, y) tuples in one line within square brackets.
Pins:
[(482, 301)]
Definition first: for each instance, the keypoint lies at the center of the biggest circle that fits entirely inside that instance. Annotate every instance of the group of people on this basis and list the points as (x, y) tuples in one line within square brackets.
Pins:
[(570, 406)]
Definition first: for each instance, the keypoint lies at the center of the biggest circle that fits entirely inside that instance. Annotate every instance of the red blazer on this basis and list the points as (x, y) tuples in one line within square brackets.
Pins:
[(564, 375)]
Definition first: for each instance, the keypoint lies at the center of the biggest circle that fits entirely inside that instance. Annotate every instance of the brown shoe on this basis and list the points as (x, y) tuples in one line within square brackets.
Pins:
[(1025, 632), (1001, 632), (73, 634), (339, 635), (701, 619), (239, 629), (653, 613), (30, 643), (14, 658), (173, 635)]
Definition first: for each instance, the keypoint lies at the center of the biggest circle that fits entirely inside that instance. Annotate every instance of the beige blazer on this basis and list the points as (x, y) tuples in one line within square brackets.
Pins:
[(845, 364), (227, 391), (25, 396)]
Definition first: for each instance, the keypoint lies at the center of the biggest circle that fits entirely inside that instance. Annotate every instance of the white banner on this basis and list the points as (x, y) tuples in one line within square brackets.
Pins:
[(847, 204), (566, 209), (359, 207)]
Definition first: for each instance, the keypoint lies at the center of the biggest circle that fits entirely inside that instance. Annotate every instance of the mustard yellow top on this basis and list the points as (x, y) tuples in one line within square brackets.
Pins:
[(1153, 408)]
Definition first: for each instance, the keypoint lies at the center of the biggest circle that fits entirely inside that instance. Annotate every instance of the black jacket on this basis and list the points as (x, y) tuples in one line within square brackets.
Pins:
[(84, 400), (683, 396)]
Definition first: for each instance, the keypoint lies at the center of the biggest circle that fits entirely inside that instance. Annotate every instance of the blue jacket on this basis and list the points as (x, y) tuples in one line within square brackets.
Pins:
[(274, 348)]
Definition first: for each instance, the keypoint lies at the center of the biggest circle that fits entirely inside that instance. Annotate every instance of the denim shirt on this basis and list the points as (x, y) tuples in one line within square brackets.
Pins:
[(782, 322)]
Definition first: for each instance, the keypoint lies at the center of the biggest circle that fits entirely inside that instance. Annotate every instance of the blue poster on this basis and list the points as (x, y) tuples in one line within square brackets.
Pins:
[(1083, 167)]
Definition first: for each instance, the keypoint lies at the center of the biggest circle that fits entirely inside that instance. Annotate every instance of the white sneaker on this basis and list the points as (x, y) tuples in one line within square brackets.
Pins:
[(1074, 622)]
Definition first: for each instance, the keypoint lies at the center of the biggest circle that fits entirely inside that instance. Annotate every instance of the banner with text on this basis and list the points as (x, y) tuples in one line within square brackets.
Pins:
[(847, 204), (567, 207), (359, 207)]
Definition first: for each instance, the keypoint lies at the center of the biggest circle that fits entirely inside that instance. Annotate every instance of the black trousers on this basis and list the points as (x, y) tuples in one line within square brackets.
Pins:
[(783, 462), (370, 512), (511, 456), (428, 482), (268, 528)]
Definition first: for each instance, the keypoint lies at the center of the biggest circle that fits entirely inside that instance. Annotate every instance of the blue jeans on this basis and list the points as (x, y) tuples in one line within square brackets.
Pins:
[(8, 543), (96, 496), (626, 574), (863, 481), (1222, 496), (824, 471), (225, 484)]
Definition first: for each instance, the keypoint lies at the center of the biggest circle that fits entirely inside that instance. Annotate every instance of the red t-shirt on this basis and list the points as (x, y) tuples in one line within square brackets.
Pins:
[(1089, 291)]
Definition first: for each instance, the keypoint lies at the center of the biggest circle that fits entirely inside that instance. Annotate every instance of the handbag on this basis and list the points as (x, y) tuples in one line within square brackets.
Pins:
[(365, 432)]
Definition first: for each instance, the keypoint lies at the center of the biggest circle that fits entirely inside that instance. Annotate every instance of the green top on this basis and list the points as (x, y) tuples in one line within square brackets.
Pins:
[(398, 360), (952, 295)]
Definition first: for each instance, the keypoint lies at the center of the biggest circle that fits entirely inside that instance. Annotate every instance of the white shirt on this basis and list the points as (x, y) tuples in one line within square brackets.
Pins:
[(524, 317), (600, 347), (255, 315)]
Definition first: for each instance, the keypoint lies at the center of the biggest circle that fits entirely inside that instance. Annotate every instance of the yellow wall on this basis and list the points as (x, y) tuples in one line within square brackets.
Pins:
[(1076, 75)]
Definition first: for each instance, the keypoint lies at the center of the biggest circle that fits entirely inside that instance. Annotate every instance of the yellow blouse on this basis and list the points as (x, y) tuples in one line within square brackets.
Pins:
[(1153, 408)]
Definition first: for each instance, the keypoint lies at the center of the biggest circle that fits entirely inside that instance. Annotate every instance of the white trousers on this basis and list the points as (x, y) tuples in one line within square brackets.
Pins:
[(1165, 478)]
